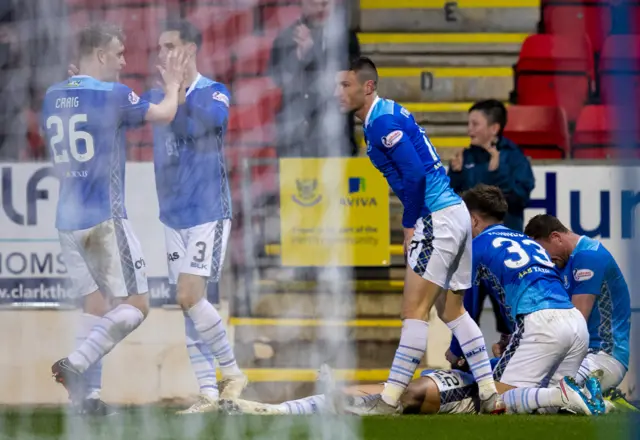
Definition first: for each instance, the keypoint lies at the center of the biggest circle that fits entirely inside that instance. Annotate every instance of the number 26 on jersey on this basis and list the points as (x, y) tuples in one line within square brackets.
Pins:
[(68, 131)]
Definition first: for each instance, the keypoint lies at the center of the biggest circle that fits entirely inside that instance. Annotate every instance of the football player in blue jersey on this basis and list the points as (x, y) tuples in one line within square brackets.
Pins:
[(195, 208), (550, 338), (437, 236), (598, 289), (84, 120)]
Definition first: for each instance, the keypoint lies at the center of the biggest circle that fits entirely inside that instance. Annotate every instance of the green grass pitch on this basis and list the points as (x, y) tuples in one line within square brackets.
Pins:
[(161, 423)]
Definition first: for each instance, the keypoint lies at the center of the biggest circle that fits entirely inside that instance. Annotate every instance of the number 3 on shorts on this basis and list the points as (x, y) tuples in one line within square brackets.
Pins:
[(202, 250)]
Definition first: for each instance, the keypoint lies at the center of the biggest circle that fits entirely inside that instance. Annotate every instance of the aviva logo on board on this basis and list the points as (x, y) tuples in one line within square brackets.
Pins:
[(357, 197)]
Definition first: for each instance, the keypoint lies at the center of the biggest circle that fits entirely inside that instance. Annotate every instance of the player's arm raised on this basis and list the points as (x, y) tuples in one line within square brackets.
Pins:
[(588, 275), (173, 77)]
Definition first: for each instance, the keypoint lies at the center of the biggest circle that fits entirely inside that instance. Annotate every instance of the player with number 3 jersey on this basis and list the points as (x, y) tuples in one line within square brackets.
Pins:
[(84, 120), (551, 337)]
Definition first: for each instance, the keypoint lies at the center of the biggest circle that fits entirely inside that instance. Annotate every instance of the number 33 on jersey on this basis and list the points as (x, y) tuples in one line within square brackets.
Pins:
[(517, 271)]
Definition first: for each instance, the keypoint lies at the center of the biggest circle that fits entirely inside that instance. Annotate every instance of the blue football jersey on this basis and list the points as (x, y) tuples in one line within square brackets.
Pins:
[(84, 122), (517, 271), (401, 150), (188, 157), (591, 269)]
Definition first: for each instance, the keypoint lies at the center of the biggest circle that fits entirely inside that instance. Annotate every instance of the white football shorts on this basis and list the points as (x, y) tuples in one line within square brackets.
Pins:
[(199, 250), (458, 391), (545, 346), (613, 371), (440, 250), (105, 257)]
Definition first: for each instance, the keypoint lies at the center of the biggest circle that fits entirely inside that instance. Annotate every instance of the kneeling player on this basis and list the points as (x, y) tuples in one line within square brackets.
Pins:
[(550, 337), (598, 289), (434, 392)]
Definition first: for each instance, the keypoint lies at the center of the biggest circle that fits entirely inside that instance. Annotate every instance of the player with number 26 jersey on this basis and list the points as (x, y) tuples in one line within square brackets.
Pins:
[(84, 121)]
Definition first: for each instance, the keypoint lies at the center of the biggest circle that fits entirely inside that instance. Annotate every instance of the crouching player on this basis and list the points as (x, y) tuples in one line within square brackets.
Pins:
[(598, 289), (550, 337)]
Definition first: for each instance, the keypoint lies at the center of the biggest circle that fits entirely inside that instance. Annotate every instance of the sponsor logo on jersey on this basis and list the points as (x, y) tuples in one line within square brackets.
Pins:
[(140, 264), (392, 138), (173, 256), (202, 266), (133, 98), (307, 192), (218, 96), (582, 274)]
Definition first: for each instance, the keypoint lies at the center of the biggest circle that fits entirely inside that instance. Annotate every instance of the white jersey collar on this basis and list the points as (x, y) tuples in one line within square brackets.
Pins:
[(375, 101), (193, 84)]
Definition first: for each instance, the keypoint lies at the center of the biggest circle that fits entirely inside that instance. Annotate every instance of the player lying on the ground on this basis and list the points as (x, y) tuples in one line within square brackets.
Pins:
[(550, 338), (437, 236), (434, 392), (84, 120)]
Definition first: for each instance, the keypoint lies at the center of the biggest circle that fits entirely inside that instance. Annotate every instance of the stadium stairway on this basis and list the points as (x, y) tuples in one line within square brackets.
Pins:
[(436, 60), (438, 57)]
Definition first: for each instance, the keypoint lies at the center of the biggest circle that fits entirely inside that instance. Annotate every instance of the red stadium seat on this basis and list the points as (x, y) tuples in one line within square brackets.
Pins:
[(142, 29), (260, 92), (251, 125), (221, 29), (276, 18), (592, 18), (620, 70), (606, 132), (221, 26), (252, 55), (78, 19), (556, 71), (541, 132)]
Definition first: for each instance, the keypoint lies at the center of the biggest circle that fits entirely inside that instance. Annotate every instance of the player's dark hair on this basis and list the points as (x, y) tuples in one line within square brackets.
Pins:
[(365, 69), (494, 111), (543, 225), (97, 35), (189, 33), (486, 200)]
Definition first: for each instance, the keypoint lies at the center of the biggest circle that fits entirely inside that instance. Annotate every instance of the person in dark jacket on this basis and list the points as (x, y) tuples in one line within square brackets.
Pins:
[(494, 160), (300, 63)]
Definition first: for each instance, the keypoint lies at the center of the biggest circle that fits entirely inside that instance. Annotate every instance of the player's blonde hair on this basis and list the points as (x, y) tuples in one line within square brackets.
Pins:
[(97, 35)]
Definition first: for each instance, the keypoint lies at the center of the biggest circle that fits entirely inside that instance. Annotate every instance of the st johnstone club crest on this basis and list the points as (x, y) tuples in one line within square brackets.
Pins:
[(307, 192)]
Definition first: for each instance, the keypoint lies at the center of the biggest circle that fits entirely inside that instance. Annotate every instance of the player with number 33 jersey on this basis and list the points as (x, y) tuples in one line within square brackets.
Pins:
[(550, 339)]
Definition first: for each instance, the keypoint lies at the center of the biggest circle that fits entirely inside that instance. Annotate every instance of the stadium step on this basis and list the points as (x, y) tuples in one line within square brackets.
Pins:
[(310, 304), (455, 16), (445, 84), (445, 49)]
